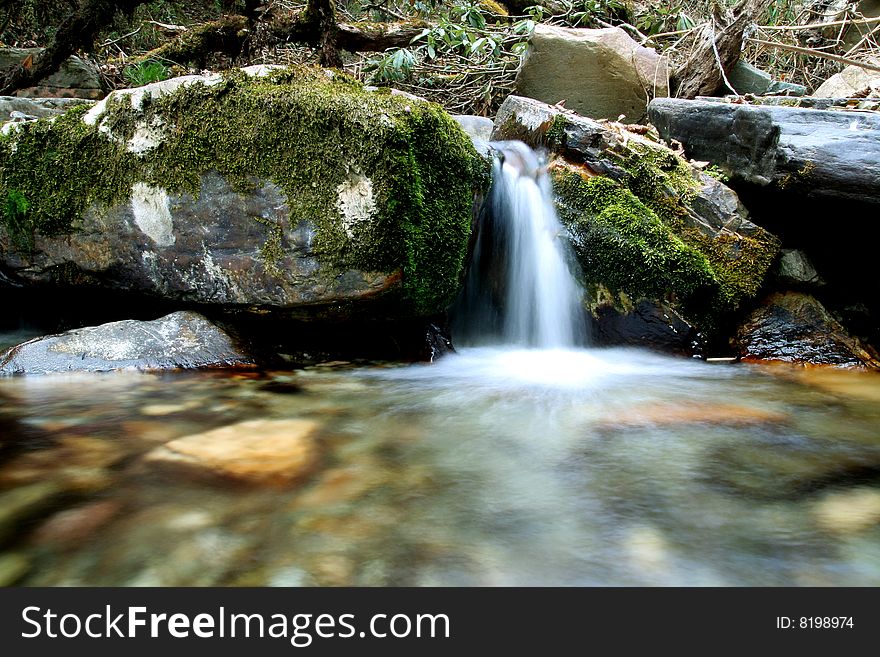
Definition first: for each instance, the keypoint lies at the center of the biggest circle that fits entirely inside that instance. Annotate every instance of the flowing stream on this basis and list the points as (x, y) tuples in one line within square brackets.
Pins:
[(525, 459)]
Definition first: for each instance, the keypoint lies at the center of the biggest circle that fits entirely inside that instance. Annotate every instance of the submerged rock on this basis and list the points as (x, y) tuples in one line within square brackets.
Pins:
[(181, 340), (848, 512), (614, 74), (13, 567), (795, 328), (296, 189), (659, 241), (816, 153), (19, 505), (266, 452)]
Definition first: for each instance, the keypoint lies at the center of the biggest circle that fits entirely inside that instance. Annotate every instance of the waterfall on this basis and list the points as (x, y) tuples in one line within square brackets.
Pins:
[(520, 289)]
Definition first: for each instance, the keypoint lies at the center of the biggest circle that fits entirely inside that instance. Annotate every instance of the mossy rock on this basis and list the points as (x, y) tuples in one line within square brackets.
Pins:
[(272, 187)]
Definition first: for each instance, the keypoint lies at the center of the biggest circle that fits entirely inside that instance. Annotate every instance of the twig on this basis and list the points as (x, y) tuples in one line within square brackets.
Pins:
[(815, 53), (811, 26), (107, 44), (720, 65), (863, 41)]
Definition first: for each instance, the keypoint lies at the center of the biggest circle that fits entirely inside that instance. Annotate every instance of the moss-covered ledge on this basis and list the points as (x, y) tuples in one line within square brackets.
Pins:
[(379, 183), (646, 224)]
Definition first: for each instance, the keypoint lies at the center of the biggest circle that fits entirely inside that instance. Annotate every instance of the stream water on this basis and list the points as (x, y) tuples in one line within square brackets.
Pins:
[(531, 462)]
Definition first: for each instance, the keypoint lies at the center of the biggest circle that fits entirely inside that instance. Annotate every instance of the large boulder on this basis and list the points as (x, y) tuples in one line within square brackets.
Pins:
[(794, 327), (296, 189), (666, 250), (818, 153), (600, 73), (75, 78), (181, 340)]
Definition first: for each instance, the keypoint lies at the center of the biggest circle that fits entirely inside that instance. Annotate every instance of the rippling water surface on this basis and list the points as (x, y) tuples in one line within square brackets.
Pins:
[(491, 467)]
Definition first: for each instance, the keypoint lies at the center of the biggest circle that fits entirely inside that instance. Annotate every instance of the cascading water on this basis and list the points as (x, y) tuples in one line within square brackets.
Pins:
[(520, 289)]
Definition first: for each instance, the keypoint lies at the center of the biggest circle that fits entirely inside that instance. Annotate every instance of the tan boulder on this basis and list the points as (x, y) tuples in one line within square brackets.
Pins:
[(853, 81), (601, 73), (266, 452)]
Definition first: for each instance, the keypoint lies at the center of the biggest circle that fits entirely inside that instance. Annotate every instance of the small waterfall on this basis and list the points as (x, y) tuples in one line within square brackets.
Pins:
[(520, 289)]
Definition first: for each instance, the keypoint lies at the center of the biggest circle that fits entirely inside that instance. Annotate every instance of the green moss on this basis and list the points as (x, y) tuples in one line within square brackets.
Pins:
[(664, 185), (304, 130), (625, 246), (554, 136)]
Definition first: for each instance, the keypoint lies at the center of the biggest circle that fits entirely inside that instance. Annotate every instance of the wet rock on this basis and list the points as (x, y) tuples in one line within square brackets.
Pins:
[(795, 328), (664, 248), (226, 216), (75, 78), (77, 463), (848, 512), (765, 464), (341, 485), (817, 153), (614, 73), (181, 340), (19, 505), (75, 526), (649, 324), (13, 567), (263, 452), (666, 415)]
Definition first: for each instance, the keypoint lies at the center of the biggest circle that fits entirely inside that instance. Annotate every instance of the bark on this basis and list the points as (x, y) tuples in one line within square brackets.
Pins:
[(225, 35), (701, 74), (77, 31)]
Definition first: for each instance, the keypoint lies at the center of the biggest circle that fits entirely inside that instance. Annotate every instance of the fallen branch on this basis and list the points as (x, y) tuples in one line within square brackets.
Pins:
[(717, 51), (226, 35), (813, 26), (815, 53)]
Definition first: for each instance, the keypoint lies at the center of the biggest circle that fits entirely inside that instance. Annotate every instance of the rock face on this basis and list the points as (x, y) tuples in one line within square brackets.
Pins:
[(13, 107), (795, 328), (665, 249), (814, 152), (182, 340), (598, 73), (853, 81), (266, 452), (74, 79), (276, 188)]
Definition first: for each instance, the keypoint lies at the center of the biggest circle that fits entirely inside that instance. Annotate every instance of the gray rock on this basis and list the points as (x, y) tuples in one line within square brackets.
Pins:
[(795, 328), (36, 107), (748, 79), (479, 129), (181, 340), (75, 78), (598, 73), (817, 153), (795, 268), (786, 89)]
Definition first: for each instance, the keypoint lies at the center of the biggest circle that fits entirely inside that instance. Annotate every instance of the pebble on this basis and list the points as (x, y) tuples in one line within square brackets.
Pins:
[(848, 512)]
